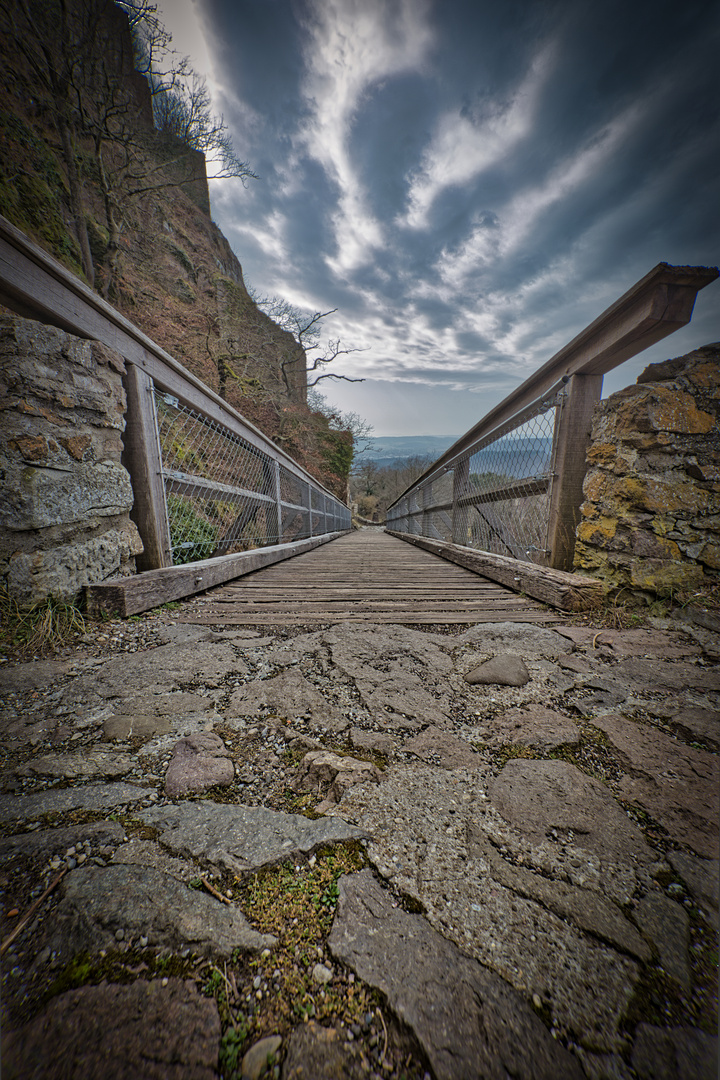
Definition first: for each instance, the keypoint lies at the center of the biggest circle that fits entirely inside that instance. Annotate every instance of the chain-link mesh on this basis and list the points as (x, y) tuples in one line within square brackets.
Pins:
[(222, 492), (495, 496)]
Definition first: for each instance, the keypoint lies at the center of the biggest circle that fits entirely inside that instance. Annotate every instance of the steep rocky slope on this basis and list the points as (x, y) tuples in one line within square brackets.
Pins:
[(155, 252)]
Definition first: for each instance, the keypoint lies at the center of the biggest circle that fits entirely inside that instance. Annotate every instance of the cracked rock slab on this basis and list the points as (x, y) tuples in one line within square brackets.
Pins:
[(667, 925), (87, 796), (199, 762), (289, 695), (539, 796), (81, 765), (142, 901), (539, 913), (681, 1053), (526, 639), (439, 747), (243, 838), (505, 669), (115, 1032), (468, 1020), (677, 784), (533, 726)]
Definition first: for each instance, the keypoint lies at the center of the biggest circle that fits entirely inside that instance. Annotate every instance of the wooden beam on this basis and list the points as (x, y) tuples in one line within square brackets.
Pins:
[(141, 458), (132, 595), (572, 439), (568, 592)]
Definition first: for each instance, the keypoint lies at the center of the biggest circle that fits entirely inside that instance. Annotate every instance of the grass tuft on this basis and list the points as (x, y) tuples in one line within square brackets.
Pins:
[(39, 630)]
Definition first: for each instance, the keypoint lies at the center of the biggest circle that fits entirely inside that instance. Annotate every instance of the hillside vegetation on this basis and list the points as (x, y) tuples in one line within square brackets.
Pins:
[(85, 172)]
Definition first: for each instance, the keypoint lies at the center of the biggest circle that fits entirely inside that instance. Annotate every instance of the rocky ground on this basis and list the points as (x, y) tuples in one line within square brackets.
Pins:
[(362, 851)]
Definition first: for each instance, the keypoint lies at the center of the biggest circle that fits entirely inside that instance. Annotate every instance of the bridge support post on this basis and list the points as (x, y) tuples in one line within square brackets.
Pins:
[(572, 438), (142, 459)]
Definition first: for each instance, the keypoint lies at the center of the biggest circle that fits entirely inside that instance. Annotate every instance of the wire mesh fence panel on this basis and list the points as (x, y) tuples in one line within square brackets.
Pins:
[(221, 492), (495, 496)]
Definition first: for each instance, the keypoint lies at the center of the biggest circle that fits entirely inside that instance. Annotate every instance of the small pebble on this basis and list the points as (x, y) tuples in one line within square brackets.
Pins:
[(143, 942), (120, 934), (257, 982), (536, 1001), (71, 863)]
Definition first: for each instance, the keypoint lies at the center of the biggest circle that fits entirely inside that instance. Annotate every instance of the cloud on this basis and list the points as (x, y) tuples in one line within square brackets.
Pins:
[(351, 46), (471, 140)]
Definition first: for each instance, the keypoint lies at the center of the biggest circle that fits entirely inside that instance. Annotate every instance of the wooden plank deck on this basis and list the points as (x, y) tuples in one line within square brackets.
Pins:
[(364, 576)]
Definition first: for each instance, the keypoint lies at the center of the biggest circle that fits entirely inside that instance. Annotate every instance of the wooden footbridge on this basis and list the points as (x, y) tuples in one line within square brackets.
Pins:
[(236, 519), (364, 576)]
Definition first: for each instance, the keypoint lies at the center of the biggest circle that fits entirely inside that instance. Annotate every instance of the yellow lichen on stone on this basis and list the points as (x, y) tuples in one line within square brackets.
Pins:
[(673, 410), (665, 577)]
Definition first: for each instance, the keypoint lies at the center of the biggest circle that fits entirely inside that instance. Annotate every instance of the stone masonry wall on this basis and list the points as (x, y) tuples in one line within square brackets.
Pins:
[(65, 495), (651, 516)]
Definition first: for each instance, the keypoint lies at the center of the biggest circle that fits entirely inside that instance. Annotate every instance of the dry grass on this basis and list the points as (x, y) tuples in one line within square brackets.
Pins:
[(40, 630)]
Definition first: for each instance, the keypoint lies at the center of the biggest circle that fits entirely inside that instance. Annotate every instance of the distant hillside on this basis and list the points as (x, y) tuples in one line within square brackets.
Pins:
[(393, 449)]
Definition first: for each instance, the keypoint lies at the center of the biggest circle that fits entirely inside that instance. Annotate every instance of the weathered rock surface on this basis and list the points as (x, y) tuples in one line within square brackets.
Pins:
[(119, 1033), (81, 765), (165, 667), (400, 674), (682, 1053), (539, 796), (525, 639), (145, 715), (638, 642), (141, 901), (319, 1053), (288, 695), (374, 741), (469, 1021), (667, 925), (425, 825), (321, 771), (91, 796), (677, 784), (55, 841), (533, 726), (506, 669), (198, 763), (242, 838), (438, 747), (700, 875)]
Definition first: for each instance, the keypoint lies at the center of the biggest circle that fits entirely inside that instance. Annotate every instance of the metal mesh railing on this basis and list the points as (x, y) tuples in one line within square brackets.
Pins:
[(223, 494), (495, 495)]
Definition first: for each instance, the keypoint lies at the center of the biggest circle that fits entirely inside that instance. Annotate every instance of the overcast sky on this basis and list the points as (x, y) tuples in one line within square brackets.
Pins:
[(469, 182)]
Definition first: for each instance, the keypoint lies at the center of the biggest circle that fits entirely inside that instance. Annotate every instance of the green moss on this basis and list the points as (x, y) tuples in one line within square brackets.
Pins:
[(192, 536)]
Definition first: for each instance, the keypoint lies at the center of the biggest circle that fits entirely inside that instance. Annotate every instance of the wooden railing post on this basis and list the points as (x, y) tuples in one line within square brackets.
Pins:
[(461, 478), (142, 459), (426, 518), (572, 438)]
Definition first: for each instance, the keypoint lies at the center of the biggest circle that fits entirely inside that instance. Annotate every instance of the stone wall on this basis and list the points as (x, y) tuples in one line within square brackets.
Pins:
[(65, 494), (651, 516)]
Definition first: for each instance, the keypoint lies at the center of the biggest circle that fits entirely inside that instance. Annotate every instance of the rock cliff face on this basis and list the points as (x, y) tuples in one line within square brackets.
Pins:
[(64, 520), (651, 516), (156, 254)]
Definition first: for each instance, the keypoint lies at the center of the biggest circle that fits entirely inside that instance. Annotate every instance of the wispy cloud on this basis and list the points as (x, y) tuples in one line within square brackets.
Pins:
[(501, 235), (352, 46), (470, 140)]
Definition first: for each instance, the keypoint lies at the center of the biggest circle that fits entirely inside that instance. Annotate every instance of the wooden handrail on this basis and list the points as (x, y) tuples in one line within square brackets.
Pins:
[(36, 286), (654, 307)]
